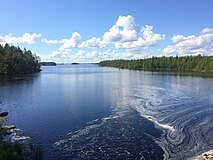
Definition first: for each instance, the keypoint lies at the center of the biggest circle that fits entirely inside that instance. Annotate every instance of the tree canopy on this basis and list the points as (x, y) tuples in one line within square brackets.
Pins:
[(188, 63), (47, 63), (13, 60)]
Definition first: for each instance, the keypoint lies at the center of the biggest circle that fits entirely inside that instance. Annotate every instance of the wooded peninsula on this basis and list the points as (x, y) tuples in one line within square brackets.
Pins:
[(187, 63), (15, 61)]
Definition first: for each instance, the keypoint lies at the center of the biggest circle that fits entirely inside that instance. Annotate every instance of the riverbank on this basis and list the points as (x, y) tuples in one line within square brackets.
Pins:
[(8, 151), (194, 64), (15, 145)]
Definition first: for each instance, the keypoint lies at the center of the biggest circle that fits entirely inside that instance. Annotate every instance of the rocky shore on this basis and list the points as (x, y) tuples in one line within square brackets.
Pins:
[(15, 144), (206, 156)]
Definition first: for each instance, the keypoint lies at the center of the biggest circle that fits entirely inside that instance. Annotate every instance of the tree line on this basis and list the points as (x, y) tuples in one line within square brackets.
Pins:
[(47, 63), (13, 60), (187, 63)]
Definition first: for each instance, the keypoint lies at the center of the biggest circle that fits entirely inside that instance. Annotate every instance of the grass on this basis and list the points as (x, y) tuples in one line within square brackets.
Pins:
[(14, 151), (10, 151)]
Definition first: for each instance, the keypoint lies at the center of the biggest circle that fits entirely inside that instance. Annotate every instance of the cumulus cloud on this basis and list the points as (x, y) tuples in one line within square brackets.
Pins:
[(126, 34), (206, 30), (178, 38), (193, 45), (93, 43), (124, 30), (25, 38), (113, 35), (58, 56), (124, 40), (44, 40), (147, 39), (73, 42), (123, 34), (68, 56)]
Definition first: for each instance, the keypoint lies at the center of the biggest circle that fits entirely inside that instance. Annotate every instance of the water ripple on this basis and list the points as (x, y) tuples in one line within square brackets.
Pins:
[(186, 119), (122, 136)]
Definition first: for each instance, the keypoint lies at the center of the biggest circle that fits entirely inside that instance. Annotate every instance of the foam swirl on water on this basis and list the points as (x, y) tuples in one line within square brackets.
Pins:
[(186, 119), (183, 116), (119, 136)]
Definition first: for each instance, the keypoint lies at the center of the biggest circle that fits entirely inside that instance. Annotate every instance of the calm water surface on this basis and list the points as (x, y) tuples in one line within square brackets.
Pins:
[(91, 112)]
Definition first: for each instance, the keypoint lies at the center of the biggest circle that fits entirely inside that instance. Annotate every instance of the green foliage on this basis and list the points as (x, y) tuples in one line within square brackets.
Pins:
[(47, 63), (17, 151), (10, 151), (13, 60), (1, 135), (2, 119), (188, 63)]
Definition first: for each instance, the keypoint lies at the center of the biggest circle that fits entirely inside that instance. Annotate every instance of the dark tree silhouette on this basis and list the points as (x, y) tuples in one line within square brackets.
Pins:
[(15, 61)]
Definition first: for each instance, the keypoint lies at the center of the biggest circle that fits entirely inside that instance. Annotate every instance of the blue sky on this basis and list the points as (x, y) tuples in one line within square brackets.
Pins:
[(91, 31)]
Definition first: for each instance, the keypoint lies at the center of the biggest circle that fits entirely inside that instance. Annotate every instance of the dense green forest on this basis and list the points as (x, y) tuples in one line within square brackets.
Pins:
[(188, 63), (47, 63), (13, 60)]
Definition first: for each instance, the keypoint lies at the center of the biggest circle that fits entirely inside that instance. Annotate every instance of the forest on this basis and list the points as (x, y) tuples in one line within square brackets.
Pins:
[(47, 63), (187, 63), (14, 61)]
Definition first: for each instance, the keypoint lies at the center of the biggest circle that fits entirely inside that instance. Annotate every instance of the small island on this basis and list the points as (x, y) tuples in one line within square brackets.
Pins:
[(14, 61), (75, 63), (47, 63)]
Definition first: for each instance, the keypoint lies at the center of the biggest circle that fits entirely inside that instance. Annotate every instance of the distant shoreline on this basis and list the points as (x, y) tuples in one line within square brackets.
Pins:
[(189, 64), (47, 63)]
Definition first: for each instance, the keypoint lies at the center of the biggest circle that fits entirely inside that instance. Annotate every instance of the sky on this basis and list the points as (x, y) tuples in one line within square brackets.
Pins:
[(91, 31)]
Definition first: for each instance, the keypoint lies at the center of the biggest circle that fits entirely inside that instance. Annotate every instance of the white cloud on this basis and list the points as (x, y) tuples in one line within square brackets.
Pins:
[(206, 30), (58, 56), (148, 39), (25, 38), (73, 42), (123, 34), (67, 56), (124, 40), (126, 34), (44, 40), (124, 30), (113, 35), (93, 43), (178, 38), (193, 45)]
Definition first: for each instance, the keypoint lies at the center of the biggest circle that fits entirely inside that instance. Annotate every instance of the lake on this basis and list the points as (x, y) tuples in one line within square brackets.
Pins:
[(90, 112)]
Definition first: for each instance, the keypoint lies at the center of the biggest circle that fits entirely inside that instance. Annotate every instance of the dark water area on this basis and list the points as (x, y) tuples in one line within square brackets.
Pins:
[(90, 112)]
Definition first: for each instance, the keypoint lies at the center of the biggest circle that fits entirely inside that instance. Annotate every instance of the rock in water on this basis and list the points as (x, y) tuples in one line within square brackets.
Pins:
[(8, 127), (4, 114), (206, 156)]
